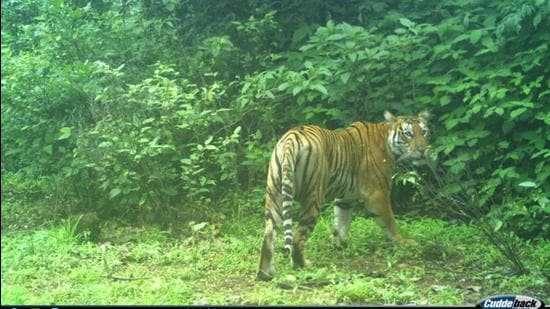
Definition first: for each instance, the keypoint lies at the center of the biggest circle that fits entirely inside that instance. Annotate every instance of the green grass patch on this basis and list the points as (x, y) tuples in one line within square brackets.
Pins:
[(216, 263)]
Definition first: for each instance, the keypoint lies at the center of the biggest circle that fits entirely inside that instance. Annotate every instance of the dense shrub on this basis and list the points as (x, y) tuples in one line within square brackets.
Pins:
[(486, 86), (161, 142), (148, 104)]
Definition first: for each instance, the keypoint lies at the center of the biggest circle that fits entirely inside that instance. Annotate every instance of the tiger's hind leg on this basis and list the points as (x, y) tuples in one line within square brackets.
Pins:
[(307, 221), (266, 270), (342, 222)]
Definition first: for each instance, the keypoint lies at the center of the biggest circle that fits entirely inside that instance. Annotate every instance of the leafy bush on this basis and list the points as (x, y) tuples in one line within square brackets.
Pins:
[(161, 142), (491, 124)]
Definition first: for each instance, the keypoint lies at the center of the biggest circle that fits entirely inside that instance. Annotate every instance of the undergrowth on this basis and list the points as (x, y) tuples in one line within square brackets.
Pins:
[(215, 263)]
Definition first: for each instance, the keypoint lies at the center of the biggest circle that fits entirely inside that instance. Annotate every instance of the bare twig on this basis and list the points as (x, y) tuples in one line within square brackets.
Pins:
[(116, 277)]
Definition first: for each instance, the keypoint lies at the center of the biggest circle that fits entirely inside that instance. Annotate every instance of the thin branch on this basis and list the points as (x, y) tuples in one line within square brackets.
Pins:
[(121, 278), (465, 205)]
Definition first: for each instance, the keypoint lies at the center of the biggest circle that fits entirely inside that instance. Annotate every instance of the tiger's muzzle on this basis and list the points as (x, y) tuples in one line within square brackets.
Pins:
[(418, 157)]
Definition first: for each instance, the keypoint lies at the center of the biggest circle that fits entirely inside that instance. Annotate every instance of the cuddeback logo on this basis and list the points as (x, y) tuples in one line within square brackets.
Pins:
[(510, 301)]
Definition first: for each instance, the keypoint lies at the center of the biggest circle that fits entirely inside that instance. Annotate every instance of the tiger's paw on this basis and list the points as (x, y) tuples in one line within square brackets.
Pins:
[(305, 263), (339, 244), (263, 276), (406, 242)]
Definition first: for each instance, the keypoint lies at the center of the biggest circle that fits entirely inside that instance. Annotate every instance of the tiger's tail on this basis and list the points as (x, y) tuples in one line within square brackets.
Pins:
[(288, 166)]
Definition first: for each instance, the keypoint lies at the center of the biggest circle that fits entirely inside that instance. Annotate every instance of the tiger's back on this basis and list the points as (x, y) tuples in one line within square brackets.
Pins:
[(328, 161)]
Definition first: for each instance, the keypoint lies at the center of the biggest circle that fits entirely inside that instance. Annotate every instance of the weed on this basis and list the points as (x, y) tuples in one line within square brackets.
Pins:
[(67, 232)]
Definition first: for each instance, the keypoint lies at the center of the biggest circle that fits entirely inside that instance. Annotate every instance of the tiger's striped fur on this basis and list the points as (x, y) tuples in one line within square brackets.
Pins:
[(311, 165)]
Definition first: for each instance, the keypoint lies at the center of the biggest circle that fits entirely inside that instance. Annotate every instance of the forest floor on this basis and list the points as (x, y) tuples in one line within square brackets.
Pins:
[(217, 263)]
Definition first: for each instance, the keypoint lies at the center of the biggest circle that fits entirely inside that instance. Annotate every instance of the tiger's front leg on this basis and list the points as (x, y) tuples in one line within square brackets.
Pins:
[(379, 204)]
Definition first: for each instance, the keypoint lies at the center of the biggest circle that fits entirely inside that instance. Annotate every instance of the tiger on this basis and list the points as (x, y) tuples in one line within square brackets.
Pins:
[(311, 164)]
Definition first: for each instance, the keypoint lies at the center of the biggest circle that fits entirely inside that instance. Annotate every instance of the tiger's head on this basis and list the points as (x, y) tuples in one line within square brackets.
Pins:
[(408, 136)]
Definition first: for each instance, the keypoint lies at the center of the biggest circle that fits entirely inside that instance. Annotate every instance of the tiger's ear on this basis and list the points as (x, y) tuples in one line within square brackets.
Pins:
[(389, 116), (425, 115)]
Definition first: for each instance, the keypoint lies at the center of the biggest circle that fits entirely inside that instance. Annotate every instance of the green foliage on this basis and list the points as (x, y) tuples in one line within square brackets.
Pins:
[(162, 141), (24, 200), (485, 103), (48, 53), (158, 104), (67, 233), (496, 137), (17, 188)]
